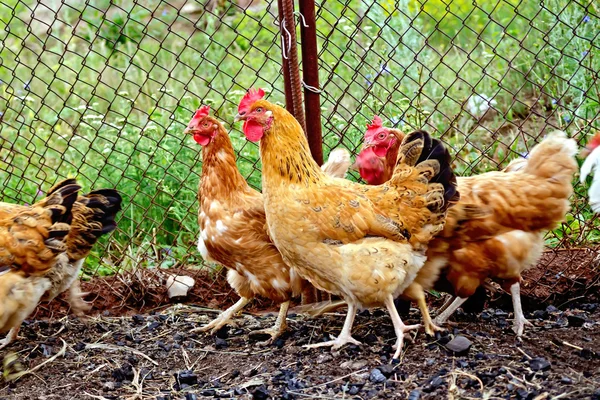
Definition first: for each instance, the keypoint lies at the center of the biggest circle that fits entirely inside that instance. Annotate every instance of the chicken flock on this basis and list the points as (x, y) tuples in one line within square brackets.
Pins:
[(413, 227)]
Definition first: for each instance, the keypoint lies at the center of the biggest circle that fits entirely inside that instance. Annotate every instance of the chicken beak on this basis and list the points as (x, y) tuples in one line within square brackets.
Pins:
[(354, 166), (239, 117)]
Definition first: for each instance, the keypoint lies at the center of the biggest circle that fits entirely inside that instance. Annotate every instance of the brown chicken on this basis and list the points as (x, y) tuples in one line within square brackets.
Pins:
[(92, 215), (32, 244), (232, 226), (499, 245), (364, 243)]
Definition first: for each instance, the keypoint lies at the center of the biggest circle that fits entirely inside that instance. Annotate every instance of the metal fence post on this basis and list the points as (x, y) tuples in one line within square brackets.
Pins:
[(289, 54), (310, 73)]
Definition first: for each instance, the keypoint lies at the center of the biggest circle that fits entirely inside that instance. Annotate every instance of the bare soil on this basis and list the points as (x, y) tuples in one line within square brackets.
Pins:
[(154, 356), (136, 345)]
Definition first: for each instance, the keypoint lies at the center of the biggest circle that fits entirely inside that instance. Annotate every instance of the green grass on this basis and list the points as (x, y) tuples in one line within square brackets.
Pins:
[(105, 96)]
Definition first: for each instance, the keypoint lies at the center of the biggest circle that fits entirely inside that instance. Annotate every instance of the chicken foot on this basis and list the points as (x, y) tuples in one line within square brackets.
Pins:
[(345, 335), (11, 336), (399, 327), (76, 301), (276, 330), (224, 317), (519, 321), (416, 292), (443, 316)]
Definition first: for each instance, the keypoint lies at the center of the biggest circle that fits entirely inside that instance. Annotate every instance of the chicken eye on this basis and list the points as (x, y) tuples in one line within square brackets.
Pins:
[(382, 136), (205, 125), (259, 110)]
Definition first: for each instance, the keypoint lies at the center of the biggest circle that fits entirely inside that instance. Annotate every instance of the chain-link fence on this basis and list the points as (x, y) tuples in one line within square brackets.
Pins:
[(103, 90)]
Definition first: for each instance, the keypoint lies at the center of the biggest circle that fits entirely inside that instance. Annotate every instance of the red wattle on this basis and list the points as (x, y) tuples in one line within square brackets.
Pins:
[(201, 139), (253, 131)]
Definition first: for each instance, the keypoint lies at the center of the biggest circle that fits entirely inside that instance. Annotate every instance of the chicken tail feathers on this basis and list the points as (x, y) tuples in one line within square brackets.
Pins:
[(338, 163), (93, 216), (433, 159), (59, 201), (553, 157)]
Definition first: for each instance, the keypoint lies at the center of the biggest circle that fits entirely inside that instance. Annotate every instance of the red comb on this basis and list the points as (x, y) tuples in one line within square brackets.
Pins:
[(249, 98), (202, 112), (377, 123)]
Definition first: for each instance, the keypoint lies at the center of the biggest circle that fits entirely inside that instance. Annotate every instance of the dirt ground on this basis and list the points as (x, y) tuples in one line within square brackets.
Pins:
[(154, 356)]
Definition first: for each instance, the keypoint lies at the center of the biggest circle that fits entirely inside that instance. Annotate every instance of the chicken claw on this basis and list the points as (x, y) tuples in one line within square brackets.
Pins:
[(519, 321), (276, 330), (344, 337), (76, 301), (12, 335), (335, 344), (223, 318), (399, 327), (431, 328)]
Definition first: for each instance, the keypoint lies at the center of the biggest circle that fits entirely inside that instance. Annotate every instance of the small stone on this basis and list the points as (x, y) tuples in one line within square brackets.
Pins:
[(220, 343), (540, 314), (576, 320), (566, 380), (414, 395), (153, 326), (354, 389), (437, 382), (551, 309), (376, 376), (192, 396), (459, 344), (186, 377), (387, 370), (429, 362), (79, 346), (139, 319), (539, 364), (208, 392)]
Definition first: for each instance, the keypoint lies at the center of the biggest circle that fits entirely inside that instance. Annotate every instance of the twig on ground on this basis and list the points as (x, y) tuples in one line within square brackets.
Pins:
[(118, 348)]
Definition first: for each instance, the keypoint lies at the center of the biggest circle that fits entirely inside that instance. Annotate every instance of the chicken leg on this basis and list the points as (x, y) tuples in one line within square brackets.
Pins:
[(519, 321), (276, 330), (76, 301), (12, 335), (443, 317), (399, 327), (416, 293), (344, 336), (224, 317)]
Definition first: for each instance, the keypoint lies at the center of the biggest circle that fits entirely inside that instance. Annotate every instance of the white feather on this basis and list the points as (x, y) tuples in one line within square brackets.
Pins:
[(592, 165)]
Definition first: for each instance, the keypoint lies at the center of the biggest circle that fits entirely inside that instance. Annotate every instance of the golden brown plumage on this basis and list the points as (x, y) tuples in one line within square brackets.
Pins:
[(32, 245), (341, 235), (93, 216), (233, 226), (31, 237), (71, 227), (497, 228)]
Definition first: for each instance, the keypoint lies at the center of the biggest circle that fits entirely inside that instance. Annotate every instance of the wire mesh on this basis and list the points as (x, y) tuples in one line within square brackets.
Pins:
[(103, 92)]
